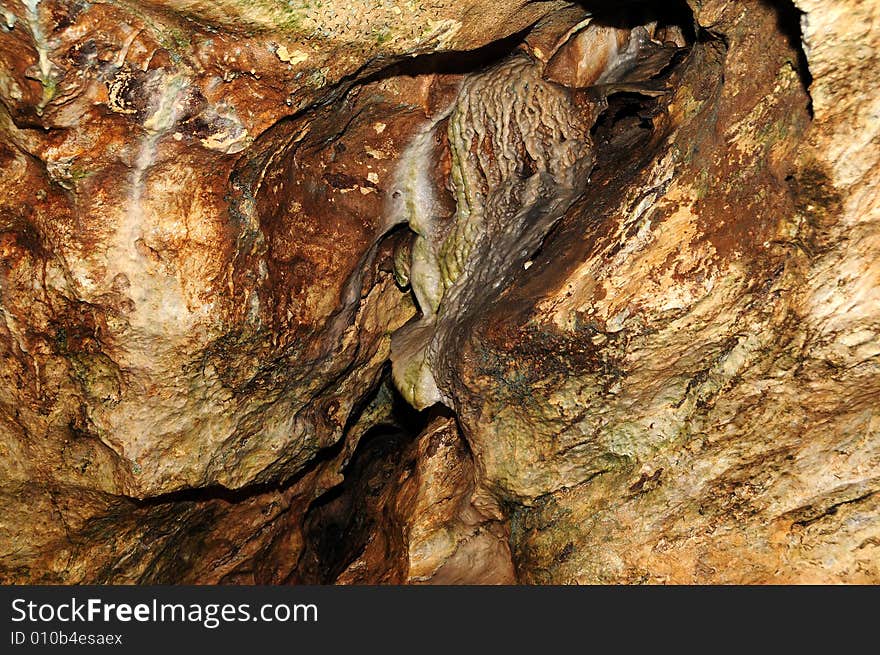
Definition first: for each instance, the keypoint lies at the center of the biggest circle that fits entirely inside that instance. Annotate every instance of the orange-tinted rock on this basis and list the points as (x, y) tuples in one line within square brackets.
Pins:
[(179, 225), (197, 298), (681, 388)]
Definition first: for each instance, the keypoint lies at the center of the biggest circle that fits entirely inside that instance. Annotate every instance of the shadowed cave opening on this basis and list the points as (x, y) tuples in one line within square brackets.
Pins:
[(790, 24), (338, 523)]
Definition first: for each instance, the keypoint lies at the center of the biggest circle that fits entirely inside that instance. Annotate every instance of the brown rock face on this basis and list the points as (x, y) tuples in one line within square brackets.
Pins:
[(411, 515), (625, 261)]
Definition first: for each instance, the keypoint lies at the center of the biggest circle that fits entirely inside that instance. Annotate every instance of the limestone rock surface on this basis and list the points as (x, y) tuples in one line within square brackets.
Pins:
[(659, 363)]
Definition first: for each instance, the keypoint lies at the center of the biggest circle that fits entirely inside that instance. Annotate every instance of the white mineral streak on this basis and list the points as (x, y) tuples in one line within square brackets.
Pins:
[(41, 43)]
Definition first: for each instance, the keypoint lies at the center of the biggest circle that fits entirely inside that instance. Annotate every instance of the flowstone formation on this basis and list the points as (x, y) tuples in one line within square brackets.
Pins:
[(448, 292), (518, 152)]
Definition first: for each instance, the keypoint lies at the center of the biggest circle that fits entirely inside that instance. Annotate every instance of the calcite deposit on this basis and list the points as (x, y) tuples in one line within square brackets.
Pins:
[(439, 292)]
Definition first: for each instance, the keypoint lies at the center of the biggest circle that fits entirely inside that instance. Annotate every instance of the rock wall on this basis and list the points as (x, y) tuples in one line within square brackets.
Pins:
[(658, 357)]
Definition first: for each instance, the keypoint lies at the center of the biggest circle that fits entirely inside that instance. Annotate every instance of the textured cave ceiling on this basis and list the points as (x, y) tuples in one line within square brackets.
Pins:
[(381, 291)]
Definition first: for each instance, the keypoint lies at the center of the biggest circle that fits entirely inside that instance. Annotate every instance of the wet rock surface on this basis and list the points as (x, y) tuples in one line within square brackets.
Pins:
[(627, 257)]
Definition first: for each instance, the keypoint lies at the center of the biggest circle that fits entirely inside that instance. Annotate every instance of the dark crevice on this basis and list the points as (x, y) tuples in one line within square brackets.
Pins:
[(450, 62), (789, 22), (219, 492), (324, 455), (628, 118), (337, 524), (831, 510), (628, 13)]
